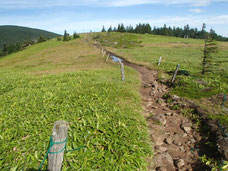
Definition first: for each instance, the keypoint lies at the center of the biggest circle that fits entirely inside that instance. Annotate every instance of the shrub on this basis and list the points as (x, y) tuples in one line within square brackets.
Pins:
[(75, 35)]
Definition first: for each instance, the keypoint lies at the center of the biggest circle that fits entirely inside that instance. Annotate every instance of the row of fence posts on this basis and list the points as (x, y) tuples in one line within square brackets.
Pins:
[(59, 135), (104, 52), (58, 140), (122, 66)]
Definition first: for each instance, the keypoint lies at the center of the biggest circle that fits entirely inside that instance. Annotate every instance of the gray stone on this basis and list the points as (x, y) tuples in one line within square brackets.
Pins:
[(159, 118), (177, 142), (169, 140), (185, 135), (180, 163), (168, 114), (186, 127), (154, 107), (159, 140), (163, 104), (160, 149), (164, 160), (149, 104), (197, 137), (182, 149), (161, 168), (155, 84), (193, 140), (175, 97)]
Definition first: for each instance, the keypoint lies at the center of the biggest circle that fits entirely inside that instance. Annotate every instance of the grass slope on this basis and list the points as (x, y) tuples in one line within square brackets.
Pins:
[(70, 80), (186, 52), (11, 34)]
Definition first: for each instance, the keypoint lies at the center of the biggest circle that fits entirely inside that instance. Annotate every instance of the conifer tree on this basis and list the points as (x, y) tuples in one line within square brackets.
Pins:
[(110, 29), (103, 29), (75, 35), (65, 36), (203, 34), (42, 39), (121, 28)]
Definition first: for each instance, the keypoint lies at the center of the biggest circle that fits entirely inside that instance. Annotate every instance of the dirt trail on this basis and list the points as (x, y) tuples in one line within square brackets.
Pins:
[(173, 135)]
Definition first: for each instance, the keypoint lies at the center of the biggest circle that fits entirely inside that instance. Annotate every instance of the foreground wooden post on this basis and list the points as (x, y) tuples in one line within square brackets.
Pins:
[(122, 71), (59, 134), (159, 62), (175, 74), (102, 50)]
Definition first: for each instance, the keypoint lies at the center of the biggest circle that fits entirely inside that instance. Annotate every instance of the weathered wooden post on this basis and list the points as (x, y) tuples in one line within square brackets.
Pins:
[(159, 62), (175, 74), (103, 54), (224, 100), (59, 138), (107, 57), (102, 50), (122, 71)]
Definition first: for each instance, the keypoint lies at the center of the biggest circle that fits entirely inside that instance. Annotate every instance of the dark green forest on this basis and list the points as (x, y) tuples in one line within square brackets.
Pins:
[(13, 34), (186, 32)]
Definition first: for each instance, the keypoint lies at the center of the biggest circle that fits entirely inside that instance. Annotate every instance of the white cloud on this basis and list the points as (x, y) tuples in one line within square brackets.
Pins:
[(72, 22), (197, 10), (53, 3)]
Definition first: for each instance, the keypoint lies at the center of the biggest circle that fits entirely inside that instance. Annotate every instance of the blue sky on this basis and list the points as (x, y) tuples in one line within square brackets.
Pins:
[(86, 15)]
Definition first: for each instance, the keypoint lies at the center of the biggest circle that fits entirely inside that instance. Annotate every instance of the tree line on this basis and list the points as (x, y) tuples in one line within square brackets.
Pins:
[(67, 36), (18, 46), (185, 32)]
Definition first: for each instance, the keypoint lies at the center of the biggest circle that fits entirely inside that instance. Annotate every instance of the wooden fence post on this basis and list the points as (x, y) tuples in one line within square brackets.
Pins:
[(107, 57), (59, 134), (175, 74), (159, 62), (122, 71), (103, 54)]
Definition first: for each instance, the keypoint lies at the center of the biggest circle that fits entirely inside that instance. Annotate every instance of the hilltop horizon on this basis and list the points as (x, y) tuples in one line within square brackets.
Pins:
[(84, 16)]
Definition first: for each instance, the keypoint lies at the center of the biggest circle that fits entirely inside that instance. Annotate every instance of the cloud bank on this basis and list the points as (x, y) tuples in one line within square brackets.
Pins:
[(110, 3)]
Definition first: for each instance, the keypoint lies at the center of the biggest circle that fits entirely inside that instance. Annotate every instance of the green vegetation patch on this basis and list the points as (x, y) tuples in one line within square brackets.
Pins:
[(190, 83), (103, 112), (116, 40)]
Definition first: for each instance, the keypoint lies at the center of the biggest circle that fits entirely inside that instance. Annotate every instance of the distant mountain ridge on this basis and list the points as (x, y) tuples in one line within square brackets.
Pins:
[(12, 34)]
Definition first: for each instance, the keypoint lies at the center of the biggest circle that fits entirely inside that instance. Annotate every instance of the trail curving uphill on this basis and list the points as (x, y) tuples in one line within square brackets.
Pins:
[(174, 136)]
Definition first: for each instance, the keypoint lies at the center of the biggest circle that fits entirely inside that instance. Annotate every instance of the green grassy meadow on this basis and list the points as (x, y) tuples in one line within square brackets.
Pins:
[(70, 81), (186, 52)]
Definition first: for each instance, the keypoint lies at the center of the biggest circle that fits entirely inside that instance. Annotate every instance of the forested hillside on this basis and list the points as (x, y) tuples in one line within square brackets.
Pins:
[(12, 34)]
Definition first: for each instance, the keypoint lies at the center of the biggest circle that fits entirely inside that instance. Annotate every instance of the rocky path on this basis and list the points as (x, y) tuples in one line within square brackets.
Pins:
[(173, 135)]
